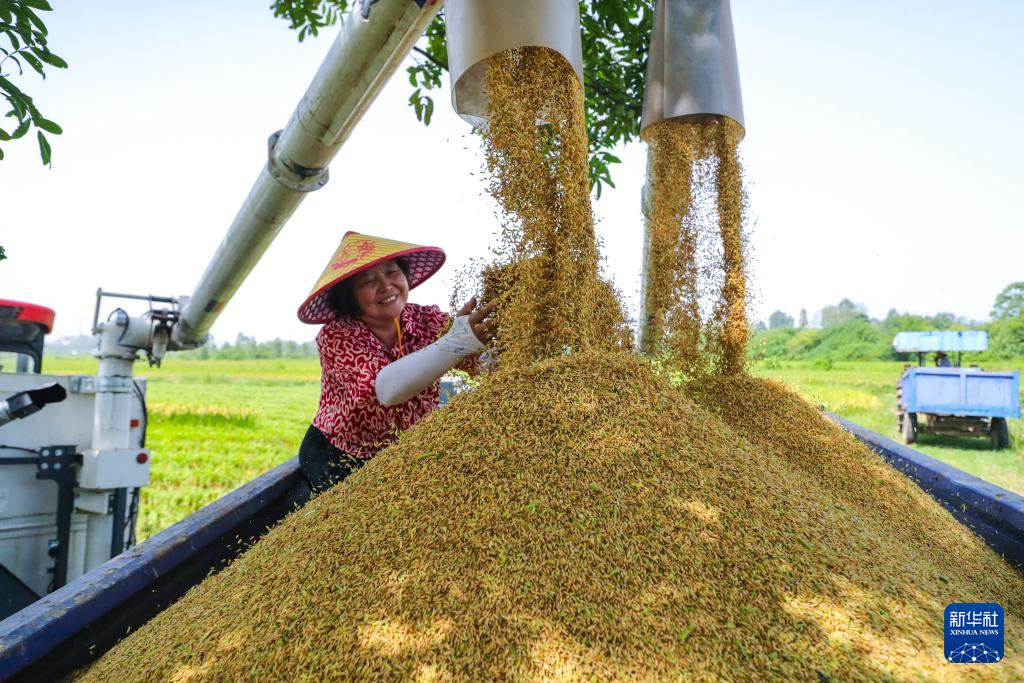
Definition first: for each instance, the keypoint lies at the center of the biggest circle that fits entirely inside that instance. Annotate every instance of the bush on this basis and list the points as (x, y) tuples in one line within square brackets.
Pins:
[(803, 342), (1006, 338), (770, 343), (822, 363), (855, 340)]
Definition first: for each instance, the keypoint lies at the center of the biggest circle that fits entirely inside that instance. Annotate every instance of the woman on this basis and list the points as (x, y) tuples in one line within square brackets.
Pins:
[(380, 356)]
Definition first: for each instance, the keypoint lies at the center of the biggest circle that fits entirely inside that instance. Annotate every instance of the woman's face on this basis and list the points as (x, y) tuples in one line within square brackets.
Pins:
[(381, 292)]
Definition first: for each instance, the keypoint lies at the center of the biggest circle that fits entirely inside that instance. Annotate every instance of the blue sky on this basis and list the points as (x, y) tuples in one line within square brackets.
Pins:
[(883, 157)]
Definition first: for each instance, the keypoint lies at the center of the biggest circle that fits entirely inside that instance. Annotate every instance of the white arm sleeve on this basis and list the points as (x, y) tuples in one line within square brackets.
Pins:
[(399, 381)]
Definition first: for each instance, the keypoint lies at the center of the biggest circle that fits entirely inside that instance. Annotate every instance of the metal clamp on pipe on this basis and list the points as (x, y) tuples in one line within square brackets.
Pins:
[(292, 175)]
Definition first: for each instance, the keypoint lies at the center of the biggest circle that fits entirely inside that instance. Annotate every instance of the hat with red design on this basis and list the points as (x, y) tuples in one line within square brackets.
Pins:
[(356, 253)]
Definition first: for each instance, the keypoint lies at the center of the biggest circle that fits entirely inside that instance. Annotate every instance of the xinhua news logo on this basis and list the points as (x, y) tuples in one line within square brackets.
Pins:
[(974, 633)]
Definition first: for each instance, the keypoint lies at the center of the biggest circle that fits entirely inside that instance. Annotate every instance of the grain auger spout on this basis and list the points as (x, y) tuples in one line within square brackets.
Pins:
[(692, 78), (480, 29), (372, 43), (692, 69)]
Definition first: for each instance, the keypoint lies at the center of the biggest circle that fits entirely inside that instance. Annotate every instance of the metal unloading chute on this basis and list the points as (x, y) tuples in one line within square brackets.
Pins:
[(478, 29), (692, 68)]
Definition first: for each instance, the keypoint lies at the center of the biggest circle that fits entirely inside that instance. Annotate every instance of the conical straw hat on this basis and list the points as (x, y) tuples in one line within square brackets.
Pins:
[(356, 253)]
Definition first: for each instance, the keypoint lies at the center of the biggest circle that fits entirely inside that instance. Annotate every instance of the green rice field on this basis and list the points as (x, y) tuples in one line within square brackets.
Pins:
[(216, 424)]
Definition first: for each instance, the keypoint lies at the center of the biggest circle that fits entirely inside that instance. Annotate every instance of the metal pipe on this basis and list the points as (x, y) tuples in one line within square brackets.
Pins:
[(692, 68), (373, 41), (98, 531), (646, 345), (478, 29)]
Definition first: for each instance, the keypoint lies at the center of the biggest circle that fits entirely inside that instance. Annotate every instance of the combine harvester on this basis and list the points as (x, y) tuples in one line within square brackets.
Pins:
[(100, 444)]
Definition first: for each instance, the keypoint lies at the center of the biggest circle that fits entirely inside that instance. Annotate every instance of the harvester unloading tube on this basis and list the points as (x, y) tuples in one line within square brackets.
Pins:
[(373, 41), (692, 72), (478, 29)]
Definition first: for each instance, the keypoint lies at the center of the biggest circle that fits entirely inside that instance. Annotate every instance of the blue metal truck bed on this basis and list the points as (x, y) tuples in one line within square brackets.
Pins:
[(961, 391), (70, 627)]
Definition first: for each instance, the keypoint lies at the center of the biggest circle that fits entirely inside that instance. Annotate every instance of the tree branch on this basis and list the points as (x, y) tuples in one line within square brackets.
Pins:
[(431, 57)]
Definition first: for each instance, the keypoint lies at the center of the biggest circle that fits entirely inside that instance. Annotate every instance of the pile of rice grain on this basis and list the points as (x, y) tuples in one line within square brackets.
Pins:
[(695, 298), (616, 529)]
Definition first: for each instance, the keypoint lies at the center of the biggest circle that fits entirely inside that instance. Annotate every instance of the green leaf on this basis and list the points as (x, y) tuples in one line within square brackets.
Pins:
[(428, 110), (48, 126), (21, 130), (1, 248), (44, 148), (4, 135), (11, 88), (414, 101), (32, 17), (17, 109), (50, 58), (34, 63), (38, 4)]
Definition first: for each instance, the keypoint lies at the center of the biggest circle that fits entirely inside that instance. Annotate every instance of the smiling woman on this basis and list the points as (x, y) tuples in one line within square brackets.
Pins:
[(380, 356)]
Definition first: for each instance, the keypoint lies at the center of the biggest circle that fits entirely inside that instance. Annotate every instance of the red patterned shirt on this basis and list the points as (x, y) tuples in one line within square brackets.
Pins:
[(350, 416)]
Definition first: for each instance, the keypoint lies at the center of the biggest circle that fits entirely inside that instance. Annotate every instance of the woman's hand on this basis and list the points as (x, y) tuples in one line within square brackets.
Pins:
[(481, 320)]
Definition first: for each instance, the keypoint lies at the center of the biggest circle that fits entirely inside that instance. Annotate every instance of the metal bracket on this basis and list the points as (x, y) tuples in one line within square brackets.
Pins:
[(56, 463), (83, 384), (367, 5), (292, 175), (53, 459)]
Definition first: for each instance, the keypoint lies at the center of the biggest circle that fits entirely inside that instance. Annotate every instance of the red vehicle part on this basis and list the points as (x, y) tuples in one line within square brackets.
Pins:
[(22, 328)]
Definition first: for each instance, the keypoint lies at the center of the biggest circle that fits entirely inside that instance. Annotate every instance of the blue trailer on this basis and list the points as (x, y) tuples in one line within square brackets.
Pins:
[(951, 400)]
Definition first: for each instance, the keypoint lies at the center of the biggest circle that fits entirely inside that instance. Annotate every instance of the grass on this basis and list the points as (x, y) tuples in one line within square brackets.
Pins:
[(216, 424)]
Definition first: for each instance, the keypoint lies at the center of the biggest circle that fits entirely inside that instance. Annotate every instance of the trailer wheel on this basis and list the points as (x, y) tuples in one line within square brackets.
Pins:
[(1000, 433), (909, 428)]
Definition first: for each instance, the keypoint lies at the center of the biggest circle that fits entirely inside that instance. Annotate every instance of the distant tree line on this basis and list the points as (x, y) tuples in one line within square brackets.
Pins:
[(246, 348), (845, 332)]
